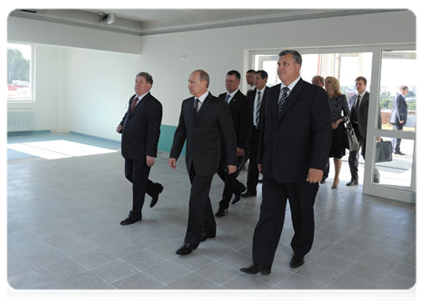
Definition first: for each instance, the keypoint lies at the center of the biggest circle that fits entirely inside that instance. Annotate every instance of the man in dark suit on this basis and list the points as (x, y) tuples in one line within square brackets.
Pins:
[(206, 124), (399, 117), (140, 128), (256, 99), (239, 106), (294, 141), (359, 107)]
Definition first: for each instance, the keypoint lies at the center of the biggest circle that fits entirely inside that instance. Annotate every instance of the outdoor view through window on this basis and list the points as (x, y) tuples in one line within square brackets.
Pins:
[(19, 85)]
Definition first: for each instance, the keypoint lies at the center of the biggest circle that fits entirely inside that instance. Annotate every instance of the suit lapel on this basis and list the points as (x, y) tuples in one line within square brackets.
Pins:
[(143, 102), (204, 105), (292, 99)]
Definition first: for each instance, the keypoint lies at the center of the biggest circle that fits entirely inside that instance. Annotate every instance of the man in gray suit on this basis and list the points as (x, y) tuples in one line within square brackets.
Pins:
[(399, 117), (359, 107)]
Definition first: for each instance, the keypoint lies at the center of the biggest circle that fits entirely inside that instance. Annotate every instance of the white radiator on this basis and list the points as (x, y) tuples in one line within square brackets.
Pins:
[(20, 120)]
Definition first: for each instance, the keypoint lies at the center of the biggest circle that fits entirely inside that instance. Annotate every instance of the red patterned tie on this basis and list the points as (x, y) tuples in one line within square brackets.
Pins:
[(134, 103)]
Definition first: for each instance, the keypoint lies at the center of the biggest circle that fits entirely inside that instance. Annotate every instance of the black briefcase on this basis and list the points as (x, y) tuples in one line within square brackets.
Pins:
[(383, 151)]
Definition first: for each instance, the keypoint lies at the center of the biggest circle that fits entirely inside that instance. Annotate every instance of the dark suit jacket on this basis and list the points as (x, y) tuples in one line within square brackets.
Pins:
[(363, 112), (300, 139), (251, 94), (241, 116), (399, 110), (141, 129), (204, 134)]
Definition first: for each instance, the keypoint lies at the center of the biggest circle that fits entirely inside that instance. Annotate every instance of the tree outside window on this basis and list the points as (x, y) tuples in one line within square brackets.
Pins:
[(19, 64)]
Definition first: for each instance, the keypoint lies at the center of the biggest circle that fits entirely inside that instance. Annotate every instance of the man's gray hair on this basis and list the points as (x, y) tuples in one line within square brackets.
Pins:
[(295, 54)]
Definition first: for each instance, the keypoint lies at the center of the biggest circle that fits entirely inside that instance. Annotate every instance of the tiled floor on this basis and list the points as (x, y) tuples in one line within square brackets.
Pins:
[(64, 233)]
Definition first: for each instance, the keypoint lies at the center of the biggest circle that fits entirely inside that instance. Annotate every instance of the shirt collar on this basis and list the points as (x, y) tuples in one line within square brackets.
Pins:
[(262, 90), (142, 96), (232, 95), (291, 85), (203, 97), (362, 94)]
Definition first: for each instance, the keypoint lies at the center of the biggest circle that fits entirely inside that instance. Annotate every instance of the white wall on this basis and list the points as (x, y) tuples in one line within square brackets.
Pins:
[(99, 85), (219, 50), (87, 90)]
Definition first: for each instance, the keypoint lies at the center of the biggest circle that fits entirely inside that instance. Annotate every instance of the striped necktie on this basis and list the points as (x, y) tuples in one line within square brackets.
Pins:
[(282, 100), (257, 108), (134, 103)]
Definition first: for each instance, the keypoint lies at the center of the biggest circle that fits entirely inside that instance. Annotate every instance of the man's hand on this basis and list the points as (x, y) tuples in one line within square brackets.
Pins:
[(231, 169), (240, 152), (172, 163), (150, 161), (314, 175), (119, 129)]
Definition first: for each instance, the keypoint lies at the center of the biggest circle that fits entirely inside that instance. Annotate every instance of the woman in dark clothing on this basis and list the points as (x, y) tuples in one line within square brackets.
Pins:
[(339, 108)]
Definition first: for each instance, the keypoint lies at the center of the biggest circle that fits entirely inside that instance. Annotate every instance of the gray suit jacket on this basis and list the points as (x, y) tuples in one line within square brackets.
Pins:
[(399, 110)]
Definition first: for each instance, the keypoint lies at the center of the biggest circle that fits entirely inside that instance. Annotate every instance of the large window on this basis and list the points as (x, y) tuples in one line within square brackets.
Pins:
[(19, 72)]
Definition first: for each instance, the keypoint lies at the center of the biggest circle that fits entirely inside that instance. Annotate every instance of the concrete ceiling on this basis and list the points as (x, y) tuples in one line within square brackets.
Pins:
[(156, 21)]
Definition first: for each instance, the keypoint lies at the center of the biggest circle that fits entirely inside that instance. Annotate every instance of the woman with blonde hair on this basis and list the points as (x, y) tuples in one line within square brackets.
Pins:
[(339, 110)]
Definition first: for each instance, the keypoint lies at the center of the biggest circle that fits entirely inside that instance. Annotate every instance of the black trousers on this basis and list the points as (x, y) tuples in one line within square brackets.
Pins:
[(253, 173), (232, 185), (137, 171), (355, 155), (200, 215), (301, 197)]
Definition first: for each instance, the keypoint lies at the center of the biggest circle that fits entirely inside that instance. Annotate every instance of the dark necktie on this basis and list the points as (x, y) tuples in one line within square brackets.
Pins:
[(134, 103), (282, 100), (227, 98), (258, 103), (354, 110), (196, 106)]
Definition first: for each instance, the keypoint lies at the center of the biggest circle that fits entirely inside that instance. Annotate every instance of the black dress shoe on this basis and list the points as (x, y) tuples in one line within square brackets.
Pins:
[(296, 261), (254, 269), (248, 194), (186, 249), (399, 153), (352, 182), (238, 191), (129, 221), (156, 196), (221, 212), (206, 236)]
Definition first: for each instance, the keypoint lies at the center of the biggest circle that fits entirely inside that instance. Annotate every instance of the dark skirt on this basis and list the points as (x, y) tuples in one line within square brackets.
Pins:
[(337, 147)]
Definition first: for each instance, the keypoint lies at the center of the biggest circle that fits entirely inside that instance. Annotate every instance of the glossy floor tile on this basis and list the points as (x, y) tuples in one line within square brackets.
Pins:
[(64, 233)]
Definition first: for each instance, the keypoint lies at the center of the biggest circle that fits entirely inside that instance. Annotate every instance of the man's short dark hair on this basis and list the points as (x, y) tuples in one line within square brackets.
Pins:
[(404, 87), (297, 56), (251, 71), (204, 76), (263, 74), (234, 72), (147, 77), (361, 78)]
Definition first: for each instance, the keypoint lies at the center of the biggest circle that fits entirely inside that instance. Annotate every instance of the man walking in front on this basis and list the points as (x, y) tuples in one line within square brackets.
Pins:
[(205, 123), (294, 141), (140, 129)]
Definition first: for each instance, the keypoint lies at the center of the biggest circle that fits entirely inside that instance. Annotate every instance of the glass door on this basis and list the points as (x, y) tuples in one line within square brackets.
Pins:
[(396, 96)]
